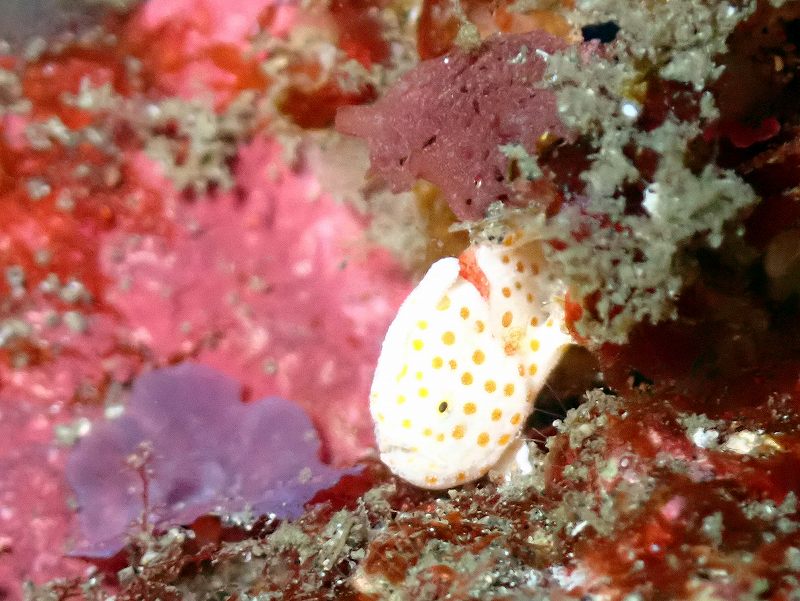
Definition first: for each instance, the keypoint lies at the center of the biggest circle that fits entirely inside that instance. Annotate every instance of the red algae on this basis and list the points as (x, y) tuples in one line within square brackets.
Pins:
[(60, 196), (668, 536), (696, 513), (343, 64), (315, 106), (361, 31), (196, 48), (437, 29)]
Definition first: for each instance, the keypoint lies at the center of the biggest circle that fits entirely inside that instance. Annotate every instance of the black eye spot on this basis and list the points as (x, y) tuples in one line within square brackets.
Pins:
[(442, 406)]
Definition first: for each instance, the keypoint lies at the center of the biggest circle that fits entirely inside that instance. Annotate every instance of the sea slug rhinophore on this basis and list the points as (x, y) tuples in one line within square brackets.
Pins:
[(462, 363)]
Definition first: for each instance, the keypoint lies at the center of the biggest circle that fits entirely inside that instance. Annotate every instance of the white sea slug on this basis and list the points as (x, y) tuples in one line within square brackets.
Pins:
[(462, 363)]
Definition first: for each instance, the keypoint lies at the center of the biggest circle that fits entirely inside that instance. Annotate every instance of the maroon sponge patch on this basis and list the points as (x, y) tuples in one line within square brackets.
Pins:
[(444, 120)]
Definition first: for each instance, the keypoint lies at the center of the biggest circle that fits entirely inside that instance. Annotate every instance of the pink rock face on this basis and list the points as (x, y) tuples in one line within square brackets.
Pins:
[(34, 516), (273, 285), (445, 119)]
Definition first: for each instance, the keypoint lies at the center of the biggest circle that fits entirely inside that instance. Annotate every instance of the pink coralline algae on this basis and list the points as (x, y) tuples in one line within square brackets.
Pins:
[(207, 452), (34, 520), (445, 120), (273, 284)]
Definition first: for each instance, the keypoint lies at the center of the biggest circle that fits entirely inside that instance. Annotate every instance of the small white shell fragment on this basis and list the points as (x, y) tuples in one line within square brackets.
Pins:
[(748, 442), (461, 365)]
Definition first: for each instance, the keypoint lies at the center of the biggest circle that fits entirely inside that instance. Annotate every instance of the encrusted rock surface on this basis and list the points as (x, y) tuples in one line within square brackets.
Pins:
[(136, 207)]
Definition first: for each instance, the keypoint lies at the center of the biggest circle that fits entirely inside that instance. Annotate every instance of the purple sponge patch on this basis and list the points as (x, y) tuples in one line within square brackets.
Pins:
[(208, 452)]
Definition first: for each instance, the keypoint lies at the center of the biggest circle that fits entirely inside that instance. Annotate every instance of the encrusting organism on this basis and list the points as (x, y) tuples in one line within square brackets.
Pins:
[(206, 455)]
